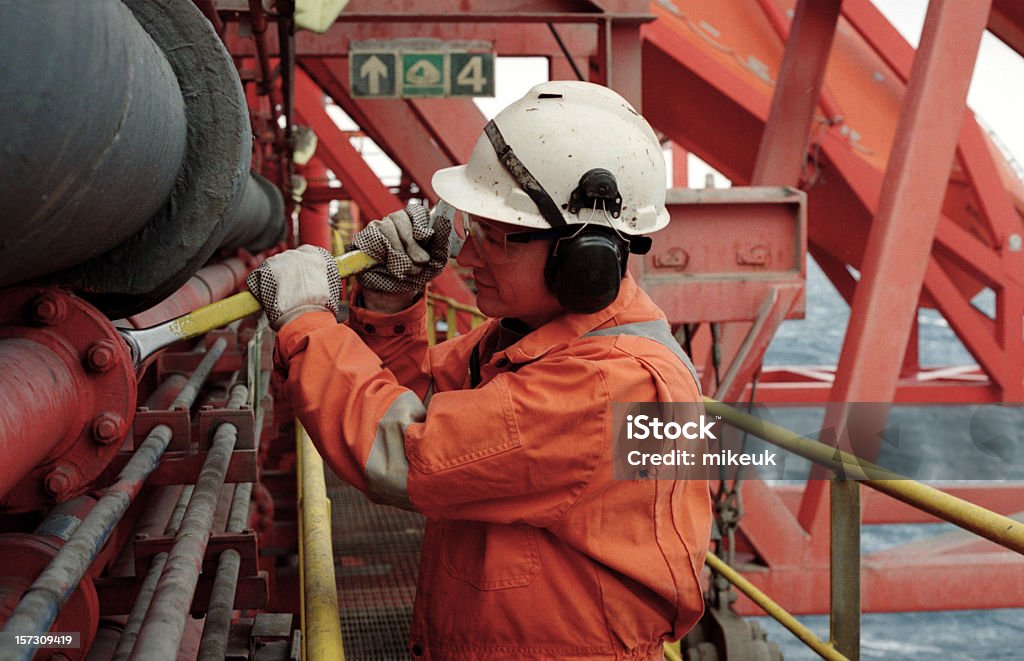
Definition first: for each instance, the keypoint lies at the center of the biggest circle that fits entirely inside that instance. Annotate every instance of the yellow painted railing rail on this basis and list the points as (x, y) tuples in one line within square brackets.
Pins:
[(992, 526), (321, 621), (452, 309)]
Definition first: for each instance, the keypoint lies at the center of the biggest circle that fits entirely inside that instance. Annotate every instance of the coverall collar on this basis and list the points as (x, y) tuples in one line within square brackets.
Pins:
[(565, 328)]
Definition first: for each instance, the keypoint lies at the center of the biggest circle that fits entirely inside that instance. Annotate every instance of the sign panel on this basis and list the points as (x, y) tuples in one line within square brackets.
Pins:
[(424, 74), (373, 74), (472, 74), (420, 68)]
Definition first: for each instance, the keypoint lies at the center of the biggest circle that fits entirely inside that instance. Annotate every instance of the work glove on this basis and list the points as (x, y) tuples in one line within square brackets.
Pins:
[(294, 282), (411, 250)]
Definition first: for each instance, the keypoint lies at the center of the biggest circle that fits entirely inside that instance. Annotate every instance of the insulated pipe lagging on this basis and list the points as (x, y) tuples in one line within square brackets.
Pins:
[(258, 223), (92, 132)]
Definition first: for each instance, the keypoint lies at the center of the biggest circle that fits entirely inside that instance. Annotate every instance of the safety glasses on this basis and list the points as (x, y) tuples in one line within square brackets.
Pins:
[(491, 243)]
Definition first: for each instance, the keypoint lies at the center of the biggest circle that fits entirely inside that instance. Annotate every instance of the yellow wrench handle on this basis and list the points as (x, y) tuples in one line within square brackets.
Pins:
[(241, 305), (147, 341)]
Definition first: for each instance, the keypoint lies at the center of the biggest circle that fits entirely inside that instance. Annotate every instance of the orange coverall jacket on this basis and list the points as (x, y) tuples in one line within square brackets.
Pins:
[(531, 548)]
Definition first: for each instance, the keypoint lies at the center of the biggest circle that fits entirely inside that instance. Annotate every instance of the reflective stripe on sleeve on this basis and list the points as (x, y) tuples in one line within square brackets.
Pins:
[(656, 330), (387, 469)]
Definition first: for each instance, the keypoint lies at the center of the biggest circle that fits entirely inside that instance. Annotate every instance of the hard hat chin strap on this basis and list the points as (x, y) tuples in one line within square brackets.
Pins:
[(526, 181)]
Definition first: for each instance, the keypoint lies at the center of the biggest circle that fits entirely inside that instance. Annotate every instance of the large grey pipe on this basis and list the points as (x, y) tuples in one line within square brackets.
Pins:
[(92, 132), (124, 147)]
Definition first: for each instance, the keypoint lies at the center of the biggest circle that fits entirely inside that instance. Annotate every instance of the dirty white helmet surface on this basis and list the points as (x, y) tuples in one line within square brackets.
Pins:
[(561, 130)]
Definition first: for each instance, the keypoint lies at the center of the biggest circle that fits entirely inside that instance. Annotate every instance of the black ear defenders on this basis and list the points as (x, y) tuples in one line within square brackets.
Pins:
[(584, 270), (586, 265)]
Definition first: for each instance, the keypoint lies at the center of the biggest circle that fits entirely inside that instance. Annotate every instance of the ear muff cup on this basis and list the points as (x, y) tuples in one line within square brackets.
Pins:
[(584, 272)]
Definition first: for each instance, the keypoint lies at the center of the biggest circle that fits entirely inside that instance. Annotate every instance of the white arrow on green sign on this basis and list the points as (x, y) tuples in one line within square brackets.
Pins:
[(373, 74)]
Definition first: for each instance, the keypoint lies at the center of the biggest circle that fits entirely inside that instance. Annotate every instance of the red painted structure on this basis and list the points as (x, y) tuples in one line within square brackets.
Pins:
[(901, 185), (737, 83)]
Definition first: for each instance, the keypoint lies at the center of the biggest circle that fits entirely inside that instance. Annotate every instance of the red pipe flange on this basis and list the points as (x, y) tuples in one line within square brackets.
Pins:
[(25, 557), (69, 392)]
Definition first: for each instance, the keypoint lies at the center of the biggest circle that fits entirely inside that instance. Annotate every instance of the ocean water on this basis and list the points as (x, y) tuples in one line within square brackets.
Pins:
[(955, 635)]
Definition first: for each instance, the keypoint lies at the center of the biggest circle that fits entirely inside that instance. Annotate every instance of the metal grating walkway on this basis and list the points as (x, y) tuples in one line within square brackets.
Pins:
[(376, 558)]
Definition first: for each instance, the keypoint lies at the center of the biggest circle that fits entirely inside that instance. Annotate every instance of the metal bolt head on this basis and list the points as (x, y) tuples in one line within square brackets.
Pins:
[(101, 356), (49, 309), (61, 481), (107, 427), (1014, 242)]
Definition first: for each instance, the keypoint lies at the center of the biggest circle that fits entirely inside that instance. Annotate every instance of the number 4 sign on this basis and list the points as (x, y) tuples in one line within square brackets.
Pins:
[(472, 74)]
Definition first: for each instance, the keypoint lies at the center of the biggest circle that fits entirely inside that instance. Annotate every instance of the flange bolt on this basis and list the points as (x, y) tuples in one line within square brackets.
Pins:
[(61, 481), (49, 309), (107, 427), (101, 356)]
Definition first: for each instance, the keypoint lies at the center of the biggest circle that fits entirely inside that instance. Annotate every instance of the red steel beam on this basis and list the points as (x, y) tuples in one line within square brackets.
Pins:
[(901, 236), (1007, 22), (512, 40), (783, 147), (705, 103), (392, 123), (906, 582), (780, 157), (454, 124), (899, 243), (335, 150), (879, 508)]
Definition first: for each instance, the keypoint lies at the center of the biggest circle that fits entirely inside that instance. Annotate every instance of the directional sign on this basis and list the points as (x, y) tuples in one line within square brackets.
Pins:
[(424, 74), (388, 69), (373, 74), (472, 74)]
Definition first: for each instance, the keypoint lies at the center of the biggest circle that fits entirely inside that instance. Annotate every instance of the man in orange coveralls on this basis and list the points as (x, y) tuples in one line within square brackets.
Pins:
[(502, 437)]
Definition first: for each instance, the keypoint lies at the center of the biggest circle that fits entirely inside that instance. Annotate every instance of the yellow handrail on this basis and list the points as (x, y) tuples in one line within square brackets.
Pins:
[(452, 308), (995, 527), (321, 621), (824, 649)]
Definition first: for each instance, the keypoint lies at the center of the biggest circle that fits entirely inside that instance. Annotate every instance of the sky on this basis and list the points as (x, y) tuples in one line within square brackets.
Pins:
[(996, 94)]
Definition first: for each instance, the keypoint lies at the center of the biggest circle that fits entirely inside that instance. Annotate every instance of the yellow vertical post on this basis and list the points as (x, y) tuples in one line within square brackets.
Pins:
[(450, 320), (431, 324), (321, 622)]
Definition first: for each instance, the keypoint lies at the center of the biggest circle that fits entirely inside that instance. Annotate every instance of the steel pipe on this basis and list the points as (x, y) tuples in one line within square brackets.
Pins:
[(321, 621), (67, 392), (94, 171), (40, 605), (259, 221), (209, 285), (144, 598), (51, 394), (213, 645), (222, 604), (164, 626)]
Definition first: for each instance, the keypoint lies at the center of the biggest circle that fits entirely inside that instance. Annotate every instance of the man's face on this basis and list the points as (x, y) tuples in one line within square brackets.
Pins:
[(509, 276)]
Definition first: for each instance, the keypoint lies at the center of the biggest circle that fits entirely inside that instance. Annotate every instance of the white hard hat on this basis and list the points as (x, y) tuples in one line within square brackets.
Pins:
[(561, 131)]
